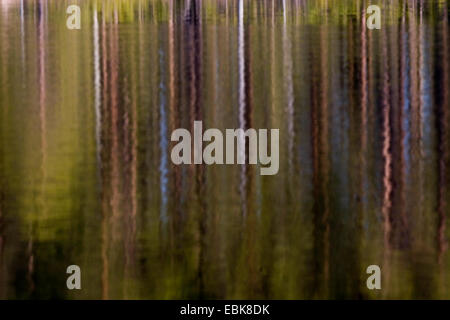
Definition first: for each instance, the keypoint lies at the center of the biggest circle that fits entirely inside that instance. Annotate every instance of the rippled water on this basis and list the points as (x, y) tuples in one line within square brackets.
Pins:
[(86, 176)]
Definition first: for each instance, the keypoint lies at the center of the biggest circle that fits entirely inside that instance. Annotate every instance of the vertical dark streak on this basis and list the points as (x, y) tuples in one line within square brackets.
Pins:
[(442, 119)]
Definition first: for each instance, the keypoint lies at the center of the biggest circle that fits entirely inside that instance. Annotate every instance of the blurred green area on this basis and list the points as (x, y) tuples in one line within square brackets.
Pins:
[(85, 171)]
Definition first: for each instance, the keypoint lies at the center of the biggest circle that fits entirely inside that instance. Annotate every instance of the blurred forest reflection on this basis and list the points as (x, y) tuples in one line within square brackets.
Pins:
[(85, 170)]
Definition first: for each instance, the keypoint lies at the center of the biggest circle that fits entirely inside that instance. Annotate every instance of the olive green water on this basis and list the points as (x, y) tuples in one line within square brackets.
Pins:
[(86, 176)]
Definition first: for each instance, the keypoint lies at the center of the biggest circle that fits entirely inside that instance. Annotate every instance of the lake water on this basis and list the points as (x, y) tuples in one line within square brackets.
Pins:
[(86, 176)]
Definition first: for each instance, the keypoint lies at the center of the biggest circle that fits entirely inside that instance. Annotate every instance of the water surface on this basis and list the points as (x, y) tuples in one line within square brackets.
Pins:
[(86, 176)]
